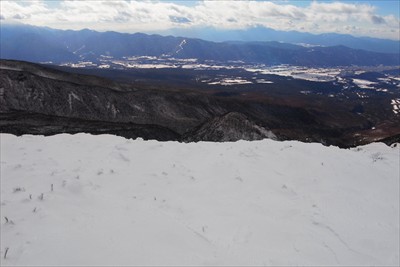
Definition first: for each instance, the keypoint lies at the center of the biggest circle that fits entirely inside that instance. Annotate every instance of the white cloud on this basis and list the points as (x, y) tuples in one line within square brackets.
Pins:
[(133, 16), (341, 8)]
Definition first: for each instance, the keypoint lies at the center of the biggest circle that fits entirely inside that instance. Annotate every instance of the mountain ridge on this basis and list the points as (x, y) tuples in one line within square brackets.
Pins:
[(38, 44), (260, 33), (52, 103)]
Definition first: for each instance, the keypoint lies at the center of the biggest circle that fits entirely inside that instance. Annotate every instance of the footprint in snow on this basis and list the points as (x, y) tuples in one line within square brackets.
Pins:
[(123, 157), (239, 179), (288, 190), (18, 166)]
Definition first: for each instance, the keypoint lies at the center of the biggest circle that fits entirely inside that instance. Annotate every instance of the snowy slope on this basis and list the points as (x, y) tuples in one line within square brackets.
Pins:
[(133, 202)]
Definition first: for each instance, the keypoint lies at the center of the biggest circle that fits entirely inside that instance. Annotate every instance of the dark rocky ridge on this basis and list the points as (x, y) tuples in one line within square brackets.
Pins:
[(23, 91), (38, 100), (232, 126), (20, 122)]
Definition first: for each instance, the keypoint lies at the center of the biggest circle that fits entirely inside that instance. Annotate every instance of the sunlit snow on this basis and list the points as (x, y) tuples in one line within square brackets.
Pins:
[(105, 200)]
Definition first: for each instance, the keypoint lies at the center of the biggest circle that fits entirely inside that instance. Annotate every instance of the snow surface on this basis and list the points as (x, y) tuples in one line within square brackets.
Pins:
[(395, 103), (132, 202), (364, 84), (299, 72), (228, 81)]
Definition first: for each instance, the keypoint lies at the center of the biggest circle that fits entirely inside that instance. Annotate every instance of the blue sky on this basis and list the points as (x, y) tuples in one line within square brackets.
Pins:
[(384, 7), (359, 18)]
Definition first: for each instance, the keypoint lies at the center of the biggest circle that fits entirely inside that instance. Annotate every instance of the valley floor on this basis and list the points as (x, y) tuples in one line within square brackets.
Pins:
[(106, 200)]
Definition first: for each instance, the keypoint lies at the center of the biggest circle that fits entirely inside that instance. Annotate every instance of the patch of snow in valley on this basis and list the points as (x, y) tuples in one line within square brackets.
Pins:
[(206, 67), (76, 200), (359, 72), (263, 81), (306, 92), (231, 81), (104, 66), (141, 58), (142, 66), (316, 77), (364, 84), (386, 80), (395, 78), (297, 72), (81, 64), (186, 59), (396, 105)]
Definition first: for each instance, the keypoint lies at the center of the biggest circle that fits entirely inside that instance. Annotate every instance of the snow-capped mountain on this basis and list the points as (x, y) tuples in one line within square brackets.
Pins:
[(263, 34)]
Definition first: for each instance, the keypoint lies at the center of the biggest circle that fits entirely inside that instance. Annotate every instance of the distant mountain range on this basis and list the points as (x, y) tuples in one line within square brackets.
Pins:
[(40, 44), (262, 34)]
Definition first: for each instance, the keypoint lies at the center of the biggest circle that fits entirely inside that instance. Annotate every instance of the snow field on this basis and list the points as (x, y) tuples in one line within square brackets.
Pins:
[(132, 202)]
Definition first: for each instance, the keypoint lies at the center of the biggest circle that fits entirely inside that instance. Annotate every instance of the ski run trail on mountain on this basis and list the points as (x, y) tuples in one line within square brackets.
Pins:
[(105, 200)]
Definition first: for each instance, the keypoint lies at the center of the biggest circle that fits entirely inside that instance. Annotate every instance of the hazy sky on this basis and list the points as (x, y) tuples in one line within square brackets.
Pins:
[(360, 18)]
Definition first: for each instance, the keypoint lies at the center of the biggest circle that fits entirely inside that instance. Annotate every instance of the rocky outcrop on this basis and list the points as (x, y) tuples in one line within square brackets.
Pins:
[(20, 122), (229, 127)]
